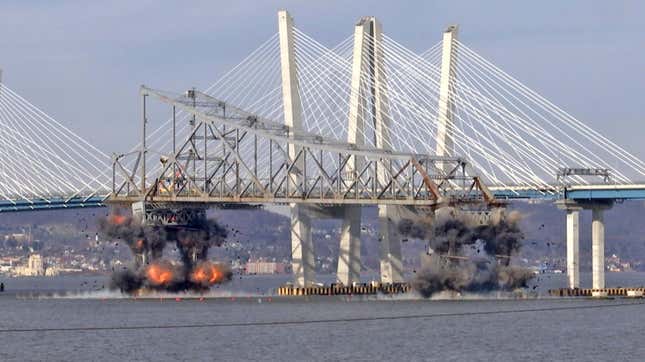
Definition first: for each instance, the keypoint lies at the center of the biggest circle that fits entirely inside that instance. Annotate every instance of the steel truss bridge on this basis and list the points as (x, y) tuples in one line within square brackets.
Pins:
[(365, 122), (285, 165)]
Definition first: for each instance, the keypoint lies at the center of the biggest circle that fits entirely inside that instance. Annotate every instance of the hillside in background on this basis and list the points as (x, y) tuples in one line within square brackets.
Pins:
[(259, 233), (544, 227)]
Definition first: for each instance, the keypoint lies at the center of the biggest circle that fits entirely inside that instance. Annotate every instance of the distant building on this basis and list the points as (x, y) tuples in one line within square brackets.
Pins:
[(34, 267), (264, 267), (6, 264), (614, 264), (17, 237), (52, 271)]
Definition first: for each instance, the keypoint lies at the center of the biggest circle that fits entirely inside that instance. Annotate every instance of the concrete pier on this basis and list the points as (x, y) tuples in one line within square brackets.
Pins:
[(390, 246), (302, 249), (573, 247), (598, 248), (597, 241), (573, 241), (349, 253)]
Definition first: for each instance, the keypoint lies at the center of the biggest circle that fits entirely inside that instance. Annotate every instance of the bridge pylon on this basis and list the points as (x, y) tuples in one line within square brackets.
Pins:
[(349, 257), (302, 251), (445, 127), (368, 81), (390, 240)]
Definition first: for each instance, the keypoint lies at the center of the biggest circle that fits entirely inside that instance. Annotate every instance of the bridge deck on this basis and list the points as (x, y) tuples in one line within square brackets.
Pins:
[(51, 204), (588, 192), (578, 192)]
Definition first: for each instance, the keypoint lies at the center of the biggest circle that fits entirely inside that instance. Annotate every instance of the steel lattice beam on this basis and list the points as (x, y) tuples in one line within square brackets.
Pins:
[(211, 166)]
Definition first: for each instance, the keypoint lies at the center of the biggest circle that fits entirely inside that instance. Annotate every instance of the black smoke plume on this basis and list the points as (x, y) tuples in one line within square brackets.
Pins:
[(150, 270), (466, 255)]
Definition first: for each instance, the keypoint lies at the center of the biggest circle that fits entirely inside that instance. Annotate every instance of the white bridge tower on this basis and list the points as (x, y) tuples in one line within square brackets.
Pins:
[(302, 251), (369, 82)]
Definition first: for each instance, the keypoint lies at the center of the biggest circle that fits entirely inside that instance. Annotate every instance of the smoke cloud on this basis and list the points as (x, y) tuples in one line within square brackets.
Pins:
[(466, 255), (150, 271)]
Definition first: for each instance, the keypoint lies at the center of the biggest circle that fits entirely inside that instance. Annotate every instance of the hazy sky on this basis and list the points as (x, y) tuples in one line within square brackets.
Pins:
[(83, 61)]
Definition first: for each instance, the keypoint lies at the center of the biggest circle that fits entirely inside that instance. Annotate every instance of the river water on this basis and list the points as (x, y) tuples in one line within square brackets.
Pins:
[(74, 319)]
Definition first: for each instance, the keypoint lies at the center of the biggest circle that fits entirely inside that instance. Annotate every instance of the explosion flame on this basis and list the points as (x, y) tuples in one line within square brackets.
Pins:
[(159, 274), (151, 271), (117, 219), (207, 273)]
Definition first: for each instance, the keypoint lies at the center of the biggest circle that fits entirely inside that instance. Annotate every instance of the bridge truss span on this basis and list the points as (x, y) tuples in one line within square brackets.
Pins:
[(231, 155)]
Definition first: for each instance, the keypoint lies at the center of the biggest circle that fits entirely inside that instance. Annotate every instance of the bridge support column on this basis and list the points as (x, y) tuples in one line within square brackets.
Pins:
[(573, 247), (349, 254), (302, 251), (597, 248), (445, 126), (597, 240), (572, 209), (390, 246)]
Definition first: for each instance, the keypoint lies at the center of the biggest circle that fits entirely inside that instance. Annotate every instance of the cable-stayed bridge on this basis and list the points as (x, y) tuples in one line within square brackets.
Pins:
[(45, 165), (327, 130)]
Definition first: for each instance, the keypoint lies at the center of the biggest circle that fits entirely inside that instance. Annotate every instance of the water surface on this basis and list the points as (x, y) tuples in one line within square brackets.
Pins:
[(64, 319)]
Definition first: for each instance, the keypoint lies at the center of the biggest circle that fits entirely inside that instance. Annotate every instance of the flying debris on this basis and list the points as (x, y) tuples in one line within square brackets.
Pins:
[(467, 255), (150, 271)]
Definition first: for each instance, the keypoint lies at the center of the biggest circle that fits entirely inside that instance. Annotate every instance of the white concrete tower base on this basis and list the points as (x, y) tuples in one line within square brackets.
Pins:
[(390, 246), (302, 249), (573, 248), (349, 255), (597, 248)]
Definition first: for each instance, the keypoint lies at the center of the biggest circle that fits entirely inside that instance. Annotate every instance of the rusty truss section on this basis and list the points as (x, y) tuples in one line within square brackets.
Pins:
[(233, 156)]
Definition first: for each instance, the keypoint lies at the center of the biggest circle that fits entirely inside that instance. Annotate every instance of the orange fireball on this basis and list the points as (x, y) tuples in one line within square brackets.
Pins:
[(199, 275), (159, 274), (117, 219), (207, 274), (216, 275)]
